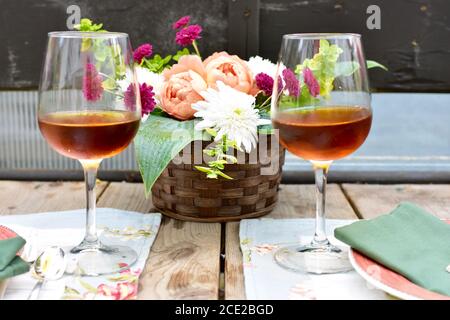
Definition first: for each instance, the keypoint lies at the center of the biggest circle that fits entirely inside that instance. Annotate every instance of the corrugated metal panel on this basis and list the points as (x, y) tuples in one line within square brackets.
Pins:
[(21, 143), (407, 143)]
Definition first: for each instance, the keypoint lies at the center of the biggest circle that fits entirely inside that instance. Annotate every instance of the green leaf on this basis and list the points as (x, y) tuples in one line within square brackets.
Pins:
[(211, 132), (88, 26), (109, 84), (204, 169), (323, 66), (373, 64), (181, 53), (218, 164), (223, 175), (158, 141), (157, 64), (345, 68), (210, 152), (160, 112)]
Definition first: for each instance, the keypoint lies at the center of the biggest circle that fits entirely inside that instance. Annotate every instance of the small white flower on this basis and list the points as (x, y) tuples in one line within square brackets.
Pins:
[(258, 65), (153, 79), (144, 76), (230, 112)]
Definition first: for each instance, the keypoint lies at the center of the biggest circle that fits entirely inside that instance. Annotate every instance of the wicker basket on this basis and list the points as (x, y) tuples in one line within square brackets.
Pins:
[(182, 192)]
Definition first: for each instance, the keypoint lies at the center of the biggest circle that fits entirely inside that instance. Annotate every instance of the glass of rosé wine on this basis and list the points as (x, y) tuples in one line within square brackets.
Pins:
[(322, 113), (84, 114)]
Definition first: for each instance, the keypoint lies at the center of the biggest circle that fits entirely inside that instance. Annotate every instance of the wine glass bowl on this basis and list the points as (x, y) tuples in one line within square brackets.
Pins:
[(89, 110), (324, 133), (321, 112)]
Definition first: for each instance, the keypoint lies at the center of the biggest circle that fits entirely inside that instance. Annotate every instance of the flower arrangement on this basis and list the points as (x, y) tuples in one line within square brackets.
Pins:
[(222, 97)]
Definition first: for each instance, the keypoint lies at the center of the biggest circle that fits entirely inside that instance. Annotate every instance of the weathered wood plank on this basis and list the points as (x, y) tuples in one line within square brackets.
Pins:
[(126, 196), (30, 197), (407, 43), (373, 200), (234, 273), (243, 27), (298, 201), (184, 262), (295, 201), (21, 55)]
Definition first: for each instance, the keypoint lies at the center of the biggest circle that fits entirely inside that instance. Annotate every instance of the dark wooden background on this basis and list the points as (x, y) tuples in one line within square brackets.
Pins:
[(414, 40)]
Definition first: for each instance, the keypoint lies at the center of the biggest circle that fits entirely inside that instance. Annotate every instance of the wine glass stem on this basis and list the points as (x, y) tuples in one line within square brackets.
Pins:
[(321, 172), (90, 175)]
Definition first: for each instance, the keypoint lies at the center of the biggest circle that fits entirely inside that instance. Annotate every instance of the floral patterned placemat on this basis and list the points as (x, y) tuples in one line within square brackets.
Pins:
[(264, 279), (66, 228)]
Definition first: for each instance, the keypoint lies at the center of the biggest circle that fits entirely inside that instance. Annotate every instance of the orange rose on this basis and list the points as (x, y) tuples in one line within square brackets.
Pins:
[(231, 70), (183, 83)]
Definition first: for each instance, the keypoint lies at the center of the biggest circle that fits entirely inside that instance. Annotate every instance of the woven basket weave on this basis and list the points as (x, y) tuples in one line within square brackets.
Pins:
[(182, 192)]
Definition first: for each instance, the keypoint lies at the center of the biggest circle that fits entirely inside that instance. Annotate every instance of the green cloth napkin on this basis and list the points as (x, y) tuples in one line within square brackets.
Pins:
[(11, 264), (409, 241)]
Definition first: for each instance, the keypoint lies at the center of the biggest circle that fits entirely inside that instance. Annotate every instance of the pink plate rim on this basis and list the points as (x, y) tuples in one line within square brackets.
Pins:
[(390, 281)]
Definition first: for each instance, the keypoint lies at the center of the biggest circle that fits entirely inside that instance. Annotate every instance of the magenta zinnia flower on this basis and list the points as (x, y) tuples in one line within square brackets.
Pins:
[(129, 98), (291, 81), (148, 102), (147, 98), (142, 52), (182, 22), (311, 82), (92, 83), (266, 83), (187, 35)]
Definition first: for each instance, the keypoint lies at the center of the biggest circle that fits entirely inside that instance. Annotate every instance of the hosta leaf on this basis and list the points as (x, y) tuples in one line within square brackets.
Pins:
[(158, 141)]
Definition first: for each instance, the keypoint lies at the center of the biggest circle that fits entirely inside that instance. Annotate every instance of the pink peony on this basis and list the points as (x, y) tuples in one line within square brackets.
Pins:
[(92, 83), (182, 22), (148, 102), (291, 81), (184, 82), (311, 82), (229, 69), (187, 35), (143, 51)]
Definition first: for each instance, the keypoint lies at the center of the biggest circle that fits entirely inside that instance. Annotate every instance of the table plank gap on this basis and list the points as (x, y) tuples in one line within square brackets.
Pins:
[(99, 193), (350, 202), (234, 272), (184, 262)]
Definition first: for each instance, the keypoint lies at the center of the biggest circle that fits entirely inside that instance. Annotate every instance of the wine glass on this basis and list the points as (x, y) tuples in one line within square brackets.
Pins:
[(321, 110), (89, 110)]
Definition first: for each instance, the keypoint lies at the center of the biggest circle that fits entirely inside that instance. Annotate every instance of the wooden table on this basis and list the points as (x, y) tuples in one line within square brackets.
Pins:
[(192, 260)]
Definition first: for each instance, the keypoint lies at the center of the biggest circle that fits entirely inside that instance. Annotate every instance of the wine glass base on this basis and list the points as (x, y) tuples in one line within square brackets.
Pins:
[(99, 260), (324, 259)]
